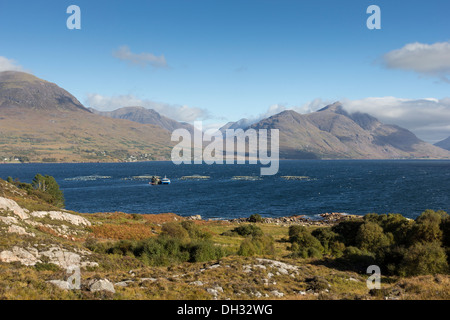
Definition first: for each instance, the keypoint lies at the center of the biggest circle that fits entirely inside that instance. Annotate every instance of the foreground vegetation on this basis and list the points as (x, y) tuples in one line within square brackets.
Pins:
[(170, 257)]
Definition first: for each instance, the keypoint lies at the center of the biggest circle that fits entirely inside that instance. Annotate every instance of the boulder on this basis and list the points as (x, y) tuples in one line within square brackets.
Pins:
[(102, 285)]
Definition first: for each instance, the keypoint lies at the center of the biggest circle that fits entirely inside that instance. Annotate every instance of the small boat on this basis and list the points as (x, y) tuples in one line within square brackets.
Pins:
[(165, 180)]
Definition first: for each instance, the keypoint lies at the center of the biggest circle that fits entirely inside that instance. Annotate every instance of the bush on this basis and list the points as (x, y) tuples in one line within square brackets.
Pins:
[(248, 230), (204, 251), (326, 238), (259, 245), (427, 227), (195, 232), (174, 230), (347, 231), (359, 259), (370, 237), (304, 244), (255, 218), (424, 258), (296, 232)]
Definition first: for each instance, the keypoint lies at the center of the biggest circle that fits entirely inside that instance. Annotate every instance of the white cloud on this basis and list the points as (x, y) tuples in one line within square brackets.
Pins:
[(141, 59), (425, 59), (428, 118), (9, 65), (176, 112)]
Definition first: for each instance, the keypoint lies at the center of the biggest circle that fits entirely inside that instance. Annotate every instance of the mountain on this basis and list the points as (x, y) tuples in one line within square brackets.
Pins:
[(145, 116), (333, 133), (240, 124), (23, 90), (444, 144), (39, 121)]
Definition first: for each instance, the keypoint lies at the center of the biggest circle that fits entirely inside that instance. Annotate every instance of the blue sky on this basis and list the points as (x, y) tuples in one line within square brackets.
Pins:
[(224, 60)]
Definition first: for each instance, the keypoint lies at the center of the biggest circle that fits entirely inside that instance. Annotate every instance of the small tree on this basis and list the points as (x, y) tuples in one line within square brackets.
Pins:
[(48, 185)]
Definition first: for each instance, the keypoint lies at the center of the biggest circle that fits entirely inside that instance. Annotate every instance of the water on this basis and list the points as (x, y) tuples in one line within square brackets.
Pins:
[(355, 187)]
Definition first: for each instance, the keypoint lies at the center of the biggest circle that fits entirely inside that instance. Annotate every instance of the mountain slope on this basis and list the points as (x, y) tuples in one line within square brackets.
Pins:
[(40, 121), (145, 116), (333, 133), (444, 144)]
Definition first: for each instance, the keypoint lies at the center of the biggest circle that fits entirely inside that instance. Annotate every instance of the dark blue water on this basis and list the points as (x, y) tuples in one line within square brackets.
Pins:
[(356, 187)]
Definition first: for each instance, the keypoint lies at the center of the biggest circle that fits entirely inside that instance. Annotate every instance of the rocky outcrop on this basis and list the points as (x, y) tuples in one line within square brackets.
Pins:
[(59, 256), (62, 216)]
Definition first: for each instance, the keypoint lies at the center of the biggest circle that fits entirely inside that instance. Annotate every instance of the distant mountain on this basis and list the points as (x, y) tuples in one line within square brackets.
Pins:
[(444, 144), (333, 133), (40, 121), (241, 124), (145, 116)]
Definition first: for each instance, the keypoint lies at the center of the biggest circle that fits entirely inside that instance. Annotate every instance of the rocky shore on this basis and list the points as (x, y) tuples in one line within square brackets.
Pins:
[(324, 219)]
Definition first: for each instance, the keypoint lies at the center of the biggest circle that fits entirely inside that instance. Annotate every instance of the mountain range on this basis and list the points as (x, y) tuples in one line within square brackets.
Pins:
[(39, 121)]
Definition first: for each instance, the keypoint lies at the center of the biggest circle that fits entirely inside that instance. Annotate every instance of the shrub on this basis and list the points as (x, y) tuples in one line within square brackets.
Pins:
[(326, 237), (347, 231), (370, 237), (427, 227), (174, 230), (304, 244), (256, 218), (424, 258), (204, 251), (258, 245), (359, 259), (248, 230), (195, 232), (296, 232)]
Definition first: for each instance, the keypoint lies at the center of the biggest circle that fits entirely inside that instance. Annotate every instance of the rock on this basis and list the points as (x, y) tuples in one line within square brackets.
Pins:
[(64, 285), (11, 205), (61, 257), (195, 217), (102, 285), (17, 254), (62, 216), (123, 283), (19, 230), (196, 283), (9, 220), (277, 293)]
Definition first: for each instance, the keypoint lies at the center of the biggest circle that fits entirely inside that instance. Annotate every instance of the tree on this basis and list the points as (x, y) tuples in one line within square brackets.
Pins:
[(48, 185), (371, 237)]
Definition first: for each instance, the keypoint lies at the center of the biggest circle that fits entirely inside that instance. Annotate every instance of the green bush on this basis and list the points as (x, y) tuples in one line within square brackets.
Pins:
[(347, 231), (174, 230), (257, 245), (246, 231), (304, 244), (195, 232), (428, 227), (201, 251), (255, 218), (424, 258), (370, 237)]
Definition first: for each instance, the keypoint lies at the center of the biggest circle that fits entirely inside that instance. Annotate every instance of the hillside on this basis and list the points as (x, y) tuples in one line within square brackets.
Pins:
[(129, 256), (42, 122), (333, 133), (145, 116), (444, 144)]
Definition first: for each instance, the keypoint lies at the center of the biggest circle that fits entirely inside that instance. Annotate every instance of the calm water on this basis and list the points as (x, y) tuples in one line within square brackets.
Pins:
[(356, 187)]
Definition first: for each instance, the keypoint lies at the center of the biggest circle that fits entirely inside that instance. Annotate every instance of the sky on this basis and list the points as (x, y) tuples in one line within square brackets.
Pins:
[(223, 60)]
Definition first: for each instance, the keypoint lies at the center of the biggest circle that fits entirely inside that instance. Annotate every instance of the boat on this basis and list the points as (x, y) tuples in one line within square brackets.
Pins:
[(165, 180)]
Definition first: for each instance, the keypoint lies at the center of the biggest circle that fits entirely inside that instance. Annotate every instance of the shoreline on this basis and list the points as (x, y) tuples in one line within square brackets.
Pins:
[(334, 159)]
